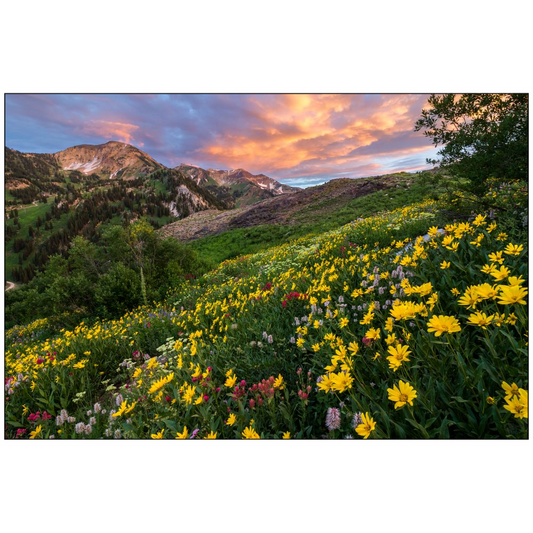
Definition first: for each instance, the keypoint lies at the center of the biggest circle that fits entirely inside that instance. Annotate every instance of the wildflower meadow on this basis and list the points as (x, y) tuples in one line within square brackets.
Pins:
[(406, 324)]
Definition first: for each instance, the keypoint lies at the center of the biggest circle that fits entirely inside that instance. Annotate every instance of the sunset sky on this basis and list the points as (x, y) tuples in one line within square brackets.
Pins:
[(299, 139)]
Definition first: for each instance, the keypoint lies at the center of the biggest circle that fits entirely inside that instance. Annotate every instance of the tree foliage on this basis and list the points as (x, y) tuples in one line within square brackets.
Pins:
[(129, 267), (483, 135)]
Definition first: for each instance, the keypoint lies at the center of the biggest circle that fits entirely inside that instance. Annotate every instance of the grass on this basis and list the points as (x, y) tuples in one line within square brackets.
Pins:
[(241, 241), (316, 219)]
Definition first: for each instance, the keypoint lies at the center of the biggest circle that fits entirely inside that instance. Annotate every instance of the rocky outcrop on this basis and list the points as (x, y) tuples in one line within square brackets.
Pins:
[(237, 187)]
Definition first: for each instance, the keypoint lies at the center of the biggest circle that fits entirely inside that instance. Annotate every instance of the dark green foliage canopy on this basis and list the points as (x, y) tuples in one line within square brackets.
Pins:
[(104, 279), (483, 135)]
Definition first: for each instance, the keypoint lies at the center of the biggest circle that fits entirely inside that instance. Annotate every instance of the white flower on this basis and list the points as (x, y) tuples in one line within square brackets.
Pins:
[(357, 419), (333, 418)]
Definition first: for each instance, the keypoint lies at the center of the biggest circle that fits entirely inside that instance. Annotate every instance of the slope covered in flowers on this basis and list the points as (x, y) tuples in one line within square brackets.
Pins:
[(394, 326)]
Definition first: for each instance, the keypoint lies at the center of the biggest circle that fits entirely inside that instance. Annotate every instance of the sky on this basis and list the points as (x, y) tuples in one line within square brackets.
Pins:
[(298, 139)]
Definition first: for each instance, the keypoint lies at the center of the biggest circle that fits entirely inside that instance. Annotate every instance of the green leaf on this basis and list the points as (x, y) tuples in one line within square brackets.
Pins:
[(171, 424), (415, 424), (444, 432), (460, 400)]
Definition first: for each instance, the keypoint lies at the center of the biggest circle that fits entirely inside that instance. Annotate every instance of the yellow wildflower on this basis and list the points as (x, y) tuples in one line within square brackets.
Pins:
[(479, 220), (443, 324), (188, 394), (512, 294), (513, 249), (500, 274), (326, 383), (489, 269), (278, 383), (402, 395), (390, 339), (122, 409), (366, 427), (518, 405), (480, 319), (398, 355), (353, 348), (230, 381), (250, 433), (496, 257), (341, 381), (184, 434), (373, 333), (470, 298), (486, 291), (36, 432), (510, 390)]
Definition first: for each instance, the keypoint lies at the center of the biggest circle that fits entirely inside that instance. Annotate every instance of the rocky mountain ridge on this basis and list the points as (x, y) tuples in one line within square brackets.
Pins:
[(236, 187), (44, 173), (112, 159)]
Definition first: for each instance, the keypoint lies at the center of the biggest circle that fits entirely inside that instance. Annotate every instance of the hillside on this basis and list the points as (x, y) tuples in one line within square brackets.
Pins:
[(289, 209), (30, 177), (51, 198), (401, 324), (86, 205), (222, 235)]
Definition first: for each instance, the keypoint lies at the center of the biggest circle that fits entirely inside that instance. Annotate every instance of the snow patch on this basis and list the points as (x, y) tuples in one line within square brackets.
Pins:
[(115, 173), (86, 168), (173, 208)]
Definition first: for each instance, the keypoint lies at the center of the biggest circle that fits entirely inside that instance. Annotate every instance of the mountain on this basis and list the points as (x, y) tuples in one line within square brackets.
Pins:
[(300, 207), (23, 167), (238, 187), (26, 176), (52, 198), (110, 160), (30, 177)]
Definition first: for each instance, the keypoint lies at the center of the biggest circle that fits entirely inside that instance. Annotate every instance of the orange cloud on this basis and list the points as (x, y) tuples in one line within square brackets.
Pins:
[(296, 128), (119, 131)]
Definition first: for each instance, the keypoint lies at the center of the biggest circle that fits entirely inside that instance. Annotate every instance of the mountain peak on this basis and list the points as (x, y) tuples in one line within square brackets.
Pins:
[(236, 186), (111, 159)]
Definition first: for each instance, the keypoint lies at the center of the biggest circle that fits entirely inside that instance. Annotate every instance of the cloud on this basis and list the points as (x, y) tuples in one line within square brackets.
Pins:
[(296, 137), (119, 131)]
